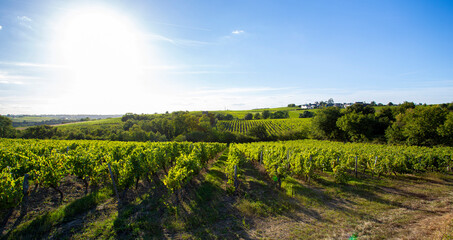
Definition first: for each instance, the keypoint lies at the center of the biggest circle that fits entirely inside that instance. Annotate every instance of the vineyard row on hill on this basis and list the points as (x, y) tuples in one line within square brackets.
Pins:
[(304, 158), (273, 126), (48, 162)]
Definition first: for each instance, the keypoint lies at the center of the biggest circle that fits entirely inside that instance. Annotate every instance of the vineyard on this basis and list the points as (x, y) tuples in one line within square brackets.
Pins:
[(305, 158), (275, 190), (273, 126), (45, 163)]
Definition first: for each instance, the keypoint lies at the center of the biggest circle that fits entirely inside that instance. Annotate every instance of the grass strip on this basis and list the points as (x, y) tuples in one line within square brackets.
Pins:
[(42, 225)]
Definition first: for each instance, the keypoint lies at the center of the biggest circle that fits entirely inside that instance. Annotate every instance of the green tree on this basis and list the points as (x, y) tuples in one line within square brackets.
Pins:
[(258, 131), (138, 134), (196, 136), (40, 132), (248, 116), (446, 130), (266, 114), (6, 127), (421, 125), (257, 116), (128, 124), (127, 116), (280, 114), (220, 116), (358, 126), (229, 117), (360, 108), (324, 124), (384, 119), (403, 107), (205, 123), (306, 114)]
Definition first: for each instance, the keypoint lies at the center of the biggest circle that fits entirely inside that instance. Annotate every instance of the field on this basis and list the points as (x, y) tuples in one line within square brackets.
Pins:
[(273, 126), (239, 114), (181, 196), (33, 119), (101, 122), (23, 121)]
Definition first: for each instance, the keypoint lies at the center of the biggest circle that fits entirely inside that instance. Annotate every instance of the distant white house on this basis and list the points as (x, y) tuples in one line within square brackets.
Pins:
[(308, 106), (345, 105)]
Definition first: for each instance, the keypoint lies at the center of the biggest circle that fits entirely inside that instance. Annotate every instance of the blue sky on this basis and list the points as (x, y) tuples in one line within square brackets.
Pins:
[(113, 57)]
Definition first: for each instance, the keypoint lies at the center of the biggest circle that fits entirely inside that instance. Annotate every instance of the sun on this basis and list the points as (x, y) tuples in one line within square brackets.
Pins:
[(102, 49)]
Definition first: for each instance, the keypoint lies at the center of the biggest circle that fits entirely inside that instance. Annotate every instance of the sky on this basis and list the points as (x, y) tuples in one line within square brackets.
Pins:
[(147, 56)]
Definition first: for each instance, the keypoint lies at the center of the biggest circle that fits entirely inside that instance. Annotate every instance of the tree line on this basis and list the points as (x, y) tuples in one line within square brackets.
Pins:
[(175, 126), (404, 124)]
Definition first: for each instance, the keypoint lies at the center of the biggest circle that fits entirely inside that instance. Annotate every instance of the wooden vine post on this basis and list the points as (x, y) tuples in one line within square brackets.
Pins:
[(374, 167), (25, 193), (449, 164), (356, 166), (236, 182), (288, 165), (113, 183), (261, 157)]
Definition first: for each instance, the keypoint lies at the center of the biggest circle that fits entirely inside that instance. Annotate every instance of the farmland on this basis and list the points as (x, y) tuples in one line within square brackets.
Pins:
[(284, 190), (226, 120), (240, 114), (23, 121), (273, 126)]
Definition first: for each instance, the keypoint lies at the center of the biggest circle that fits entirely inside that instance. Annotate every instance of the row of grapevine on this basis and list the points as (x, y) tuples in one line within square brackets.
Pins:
[(273, 126), (303, 158), (235, 159), (47, 162)]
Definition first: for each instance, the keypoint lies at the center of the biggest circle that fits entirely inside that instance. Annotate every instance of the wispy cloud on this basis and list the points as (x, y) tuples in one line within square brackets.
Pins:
[(209, 72), (237, 32), (182, 26), (1, 27), (10, 82), (35, 65), (178, 42), (5, 78), (24, 21), (184, 68), (162, 67), (239, 90)]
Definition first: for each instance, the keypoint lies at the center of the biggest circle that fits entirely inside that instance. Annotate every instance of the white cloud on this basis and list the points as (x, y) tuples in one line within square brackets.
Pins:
[(178, 42), (24, 18), (24, 21), (5, 78), (28, 64), (237, 32), (239, 90), (1, 27), (182, 26), (11, 82)]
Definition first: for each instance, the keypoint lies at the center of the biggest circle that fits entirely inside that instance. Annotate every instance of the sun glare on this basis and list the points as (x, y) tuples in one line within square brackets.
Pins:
[(102, 49)]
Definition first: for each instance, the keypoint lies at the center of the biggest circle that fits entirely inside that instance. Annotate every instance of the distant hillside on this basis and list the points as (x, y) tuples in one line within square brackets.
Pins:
[(36, 120)]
